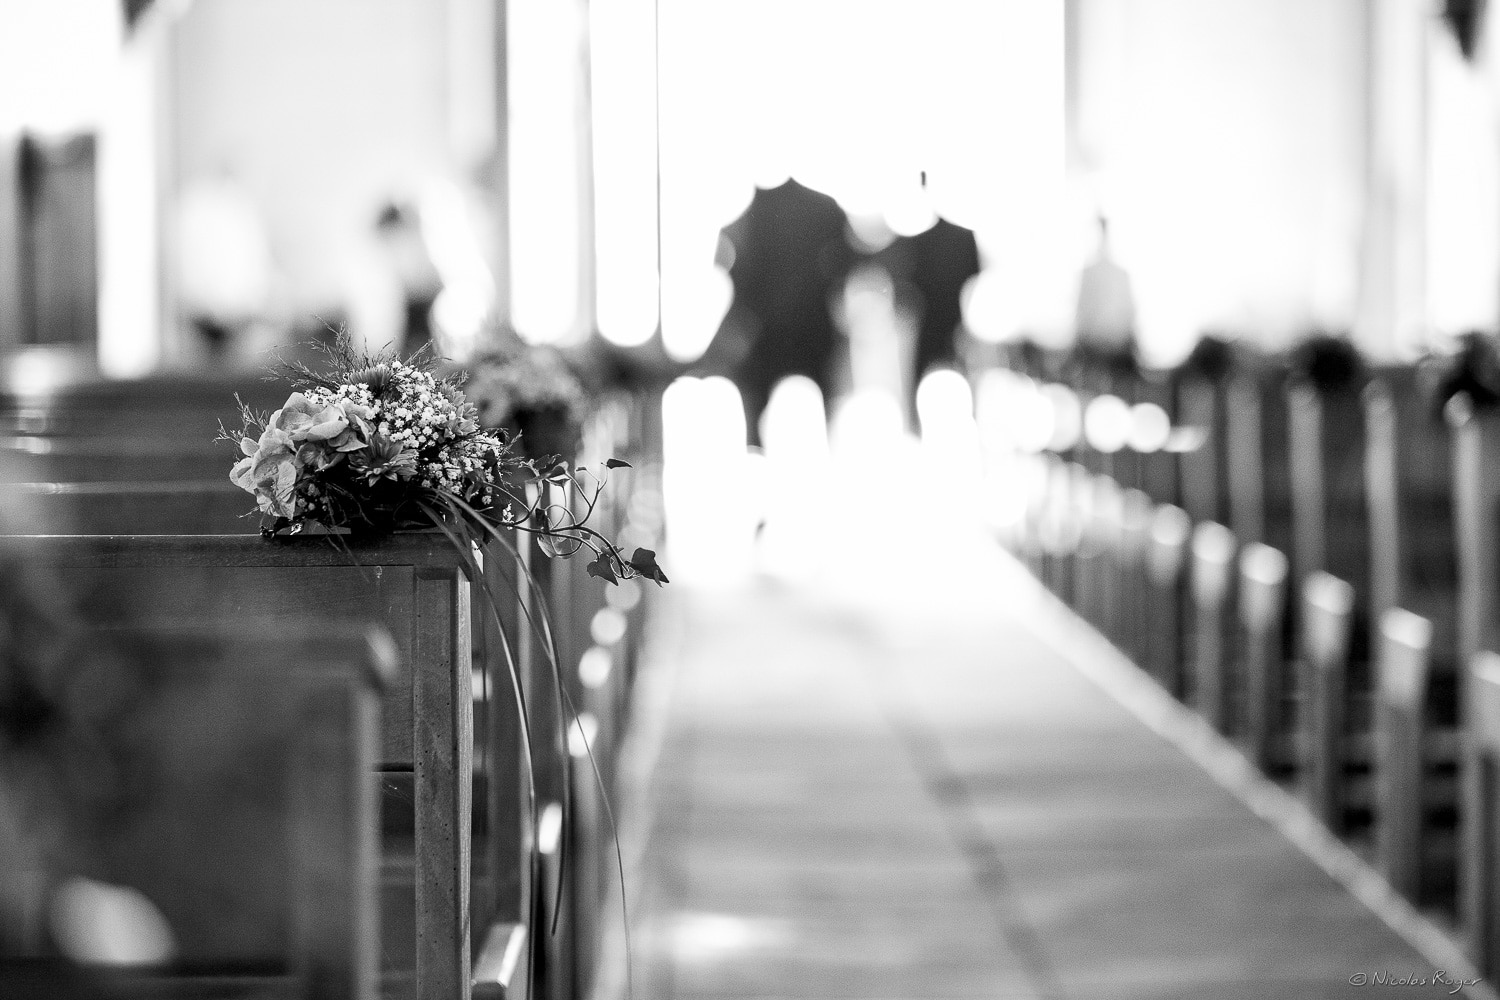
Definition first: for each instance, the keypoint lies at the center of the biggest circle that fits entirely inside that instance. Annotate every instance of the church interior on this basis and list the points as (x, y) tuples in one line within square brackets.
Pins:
[(551, 499)]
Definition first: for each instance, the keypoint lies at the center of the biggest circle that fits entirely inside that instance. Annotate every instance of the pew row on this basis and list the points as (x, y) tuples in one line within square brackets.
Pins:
[(243, 810), (413, 584)]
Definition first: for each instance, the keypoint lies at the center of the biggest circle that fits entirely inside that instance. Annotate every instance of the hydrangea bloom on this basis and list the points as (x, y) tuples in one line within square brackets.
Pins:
[(378, 444)]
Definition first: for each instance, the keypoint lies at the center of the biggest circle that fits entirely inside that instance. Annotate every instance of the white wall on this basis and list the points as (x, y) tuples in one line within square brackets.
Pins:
[(322, 108), (1225, 141)]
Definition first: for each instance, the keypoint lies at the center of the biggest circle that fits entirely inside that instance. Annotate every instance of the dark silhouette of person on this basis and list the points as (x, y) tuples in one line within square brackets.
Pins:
[(930, 270), (787, 257)]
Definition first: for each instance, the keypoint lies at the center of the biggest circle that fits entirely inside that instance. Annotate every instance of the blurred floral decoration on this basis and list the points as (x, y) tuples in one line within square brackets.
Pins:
[(530, 395), (374, 444), (371, 444), (1470, 367), (1212, 358), (1328, 362)]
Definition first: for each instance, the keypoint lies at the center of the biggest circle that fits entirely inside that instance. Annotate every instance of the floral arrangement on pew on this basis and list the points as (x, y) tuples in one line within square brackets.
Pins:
[(1471, 366), (1212, 358), (375, 444), (1328, 363), (532, 393)]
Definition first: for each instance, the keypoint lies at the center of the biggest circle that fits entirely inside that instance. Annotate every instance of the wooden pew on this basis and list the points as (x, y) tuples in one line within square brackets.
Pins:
[(168, 406), (1415, 765), (1166, 567), (509, 901), (1476, 499), (411, 583), (1413, 591), (1213, 558), (1082, 553), (1159, 471), (1482, 805), (1204, 469), (1059, 528), (100, 507), (196, 507), (1055, 527), (1476, 468), (1330, 561), (256, 836), (1135, 624), (1330, 519), (1409, 481), (1267, 694), (1328, 606), (40, 459), (1260, 488), (1110, 430)]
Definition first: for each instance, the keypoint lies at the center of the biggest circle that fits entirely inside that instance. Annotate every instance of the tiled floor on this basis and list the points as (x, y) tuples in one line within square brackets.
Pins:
[(880, 783)]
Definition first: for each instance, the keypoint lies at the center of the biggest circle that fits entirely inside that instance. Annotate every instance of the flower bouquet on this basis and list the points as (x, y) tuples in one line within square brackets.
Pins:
[(530, 392), (376, 444)]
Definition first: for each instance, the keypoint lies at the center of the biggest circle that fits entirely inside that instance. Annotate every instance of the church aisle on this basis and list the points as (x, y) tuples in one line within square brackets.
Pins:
[(888, 784)]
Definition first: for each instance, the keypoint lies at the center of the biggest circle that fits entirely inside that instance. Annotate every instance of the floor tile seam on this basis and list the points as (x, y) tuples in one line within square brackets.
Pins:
[(963, 829)]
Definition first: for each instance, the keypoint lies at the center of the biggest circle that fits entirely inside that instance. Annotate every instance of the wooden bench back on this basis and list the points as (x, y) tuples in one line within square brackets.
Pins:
[(1159, 475), (1328, 606), (1213, 553), (40, 459), (1409, 481), (1403, 665), (412, 584), (1205, 469), (1262, 613), (1330, 518), (243, 799), (1260, 503), (1166, 575), (193, 507), (185, 407), (1476, 513), (1482, 821)]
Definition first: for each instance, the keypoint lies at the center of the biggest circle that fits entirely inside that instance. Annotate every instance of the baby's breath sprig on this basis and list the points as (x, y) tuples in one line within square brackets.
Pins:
[(376, 442)]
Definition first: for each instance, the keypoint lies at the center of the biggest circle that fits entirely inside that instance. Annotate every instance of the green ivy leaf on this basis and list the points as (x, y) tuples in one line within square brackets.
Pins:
[(643, 561), (615, 463)]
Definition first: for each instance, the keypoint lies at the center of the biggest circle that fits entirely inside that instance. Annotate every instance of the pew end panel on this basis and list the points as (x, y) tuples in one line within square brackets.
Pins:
[(1205, 468), (1405, 750), (1328, 607), (1262, 612), (1476, 517), (1166, 563), (1481, 854), (1135, 545), (249, 814), (414, 584), (1213, 554)]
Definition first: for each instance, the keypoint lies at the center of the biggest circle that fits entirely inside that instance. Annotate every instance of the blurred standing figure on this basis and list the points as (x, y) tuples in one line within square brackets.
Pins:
[(1105, 319), (930, 268), (399, 228), (787, 257), (225, 268)]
